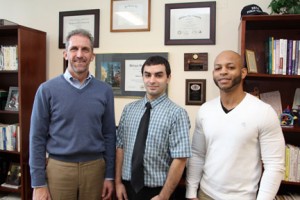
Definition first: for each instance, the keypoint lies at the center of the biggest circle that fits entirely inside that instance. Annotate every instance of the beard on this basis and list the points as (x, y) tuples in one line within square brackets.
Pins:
[(234, 84)]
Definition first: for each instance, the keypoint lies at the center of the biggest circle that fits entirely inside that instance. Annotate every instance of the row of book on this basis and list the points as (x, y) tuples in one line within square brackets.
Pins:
[(282, 56), (288, 197), (292, 163), (10, 137), (9, 58)]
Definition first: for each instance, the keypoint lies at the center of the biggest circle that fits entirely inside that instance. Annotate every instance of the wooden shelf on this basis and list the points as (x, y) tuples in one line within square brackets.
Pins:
[(31, 73), (272, 76), (253, 34), (6, 189)]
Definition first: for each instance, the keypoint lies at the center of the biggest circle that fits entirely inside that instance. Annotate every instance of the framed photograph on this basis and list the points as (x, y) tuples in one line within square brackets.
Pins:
[(12, 102), (14, 175), (190, 23), (123, 72), (130, 15), (251, 61), (195, 92), (84, 19)]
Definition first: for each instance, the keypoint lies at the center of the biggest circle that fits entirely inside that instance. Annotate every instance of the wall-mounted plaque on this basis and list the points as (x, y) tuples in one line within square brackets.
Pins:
[(195, 62)]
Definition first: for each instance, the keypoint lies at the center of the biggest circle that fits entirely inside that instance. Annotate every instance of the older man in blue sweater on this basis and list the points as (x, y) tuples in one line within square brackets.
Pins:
[(73, 121)]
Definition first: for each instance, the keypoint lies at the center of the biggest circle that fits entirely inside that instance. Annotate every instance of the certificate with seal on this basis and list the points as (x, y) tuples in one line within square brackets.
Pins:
[(190, 23)]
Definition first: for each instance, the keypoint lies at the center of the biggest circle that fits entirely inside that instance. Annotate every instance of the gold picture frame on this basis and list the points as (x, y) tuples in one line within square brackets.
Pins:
[(130, 15), (251, 61)]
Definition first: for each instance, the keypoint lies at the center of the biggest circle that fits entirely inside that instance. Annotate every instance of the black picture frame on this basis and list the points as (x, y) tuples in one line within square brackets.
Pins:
[(195, 91), (127, 67), (86, 19), (189, 23)]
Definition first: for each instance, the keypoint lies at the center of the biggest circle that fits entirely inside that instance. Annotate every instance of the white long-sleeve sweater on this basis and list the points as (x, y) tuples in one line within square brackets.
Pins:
[(230, 149)]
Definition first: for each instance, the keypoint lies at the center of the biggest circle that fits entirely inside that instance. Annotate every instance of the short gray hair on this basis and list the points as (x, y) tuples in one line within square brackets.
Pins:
[(81, 32)]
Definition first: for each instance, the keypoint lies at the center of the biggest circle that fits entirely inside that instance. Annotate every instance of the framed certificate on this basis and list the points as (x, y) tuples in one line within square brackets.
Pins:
[(83, 19), (130, 15), (190, 23), (195, 91)]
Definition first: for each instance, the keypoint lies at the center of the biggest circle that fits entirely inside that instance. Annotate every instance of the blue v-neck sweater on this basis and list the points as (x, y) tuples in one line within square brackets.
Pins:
[(72, 125)]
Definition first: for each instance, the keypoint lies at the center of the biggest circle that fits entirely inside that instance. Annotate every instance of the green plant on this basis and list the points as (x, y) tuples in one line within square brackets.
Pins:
[(285, 6)]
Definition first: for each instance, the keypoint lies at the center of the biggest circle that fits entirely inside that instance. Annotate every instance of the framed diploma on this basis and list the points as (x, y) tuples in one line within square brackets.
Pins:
[(251, 61), (190, 23), (83, 19), (195, 92), (130, 15), (123, 72)]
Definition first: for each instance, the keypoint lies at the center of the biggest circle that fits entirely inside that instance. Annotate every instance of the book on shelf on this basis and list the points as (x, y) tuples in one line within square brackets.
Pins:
[(292, 163), (282, 56), (4, 166), (13, 179), (289, 196), (287, 163), (10, 137), (3, 98), (9, 58)]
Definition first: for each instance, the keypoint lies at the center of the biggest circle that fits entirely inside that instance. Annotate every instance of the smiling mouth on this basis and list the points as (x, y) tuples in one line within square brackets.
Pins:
[(224, 80), (152, 87)]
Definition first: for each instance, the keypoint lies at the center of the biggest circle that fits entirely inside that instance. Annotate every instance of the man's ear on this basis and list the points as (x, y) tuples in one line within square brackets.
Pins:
[(169, 79), (244, 72), (65, 55)]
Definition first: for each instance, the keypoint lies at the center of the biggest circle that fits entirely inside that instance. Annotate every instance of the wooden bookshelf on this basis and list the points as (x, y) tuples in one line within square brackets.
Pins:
[(31, 73), (253, 32)]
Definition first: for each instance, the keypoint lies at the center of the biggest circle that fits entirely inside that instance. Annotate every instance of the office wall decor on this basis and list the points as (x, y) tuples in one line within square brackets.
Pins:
[(123, 72), (195, 92), (190, 23), (85, 19), (130, 15)]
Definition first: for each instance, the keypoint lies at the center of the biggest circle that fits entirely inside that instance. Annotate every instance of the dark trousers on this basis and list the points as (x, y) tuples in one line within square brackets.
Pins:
[(146, 193)]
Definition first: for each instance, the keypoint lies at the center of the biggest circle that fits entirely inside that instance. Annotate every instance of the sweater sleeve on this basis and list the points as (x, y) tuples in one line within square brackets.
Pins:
[(196, 162), (38, 136), (109, 132), (273, 156)]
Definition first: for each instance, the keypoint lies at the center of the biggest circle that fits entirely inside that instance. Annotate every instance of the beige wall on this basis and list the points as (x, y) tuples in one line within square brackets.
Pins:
[(43, 15)]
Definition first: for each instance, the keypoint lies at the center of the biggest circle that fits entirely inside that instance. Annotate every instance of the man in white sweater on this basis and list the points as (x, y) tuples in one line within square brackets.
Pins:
[(238, 145)]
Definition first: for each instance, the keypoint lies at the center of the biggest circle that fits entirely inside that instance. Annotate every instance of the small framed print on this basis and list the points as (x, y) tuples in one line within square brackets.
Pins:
[(14, 175), (12, 102), (83, 19), (251, 61), (195, 91), (130, 15)]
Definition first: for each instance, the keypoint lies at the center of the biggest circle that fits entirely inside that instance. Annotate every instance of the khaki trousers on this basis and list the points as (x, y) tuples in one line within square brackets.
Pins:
[(75, 181), (203, 196)]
